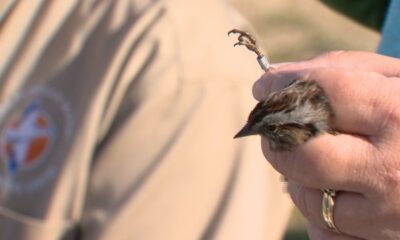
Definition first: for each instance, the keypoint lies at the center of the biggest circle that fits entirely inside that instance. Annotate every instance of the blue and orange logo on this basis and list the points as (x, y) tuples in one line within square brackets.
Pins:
[(26, 138)]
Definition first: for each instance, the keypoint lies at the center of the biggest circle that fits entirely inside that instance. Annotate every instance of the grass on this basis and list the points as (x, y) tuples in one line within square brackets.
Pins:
[(296, 235), (297, 227), (292, 30)]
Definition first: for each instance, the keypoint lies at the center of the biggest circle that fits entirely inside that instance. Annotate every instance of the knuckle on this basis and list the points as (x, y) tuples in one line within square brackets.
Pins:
[(386, 148), (392, 117), (389, 179), (386, 180), (332, 57), (385, 104)]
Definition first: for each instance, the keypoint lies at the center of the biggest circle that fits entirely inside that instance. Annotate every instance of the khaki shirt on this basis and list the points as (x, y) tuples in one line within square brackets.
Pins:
[(117, 117)]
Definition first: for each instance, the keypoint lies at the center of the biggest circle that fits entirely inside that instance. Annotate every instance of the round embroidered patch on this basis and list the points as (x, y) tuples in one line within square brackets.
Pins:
[(35, 135), (26, 138)]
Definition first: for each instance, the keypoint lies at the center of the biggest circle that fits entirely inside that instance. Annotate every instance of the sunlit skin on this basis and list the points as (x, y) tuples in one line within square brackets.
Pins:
[(362, 162)]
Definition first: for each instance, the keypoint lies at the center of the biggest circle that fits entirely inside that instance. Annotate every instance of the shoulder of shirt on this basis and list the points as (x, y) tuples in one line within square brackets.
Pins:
[(370, 13)]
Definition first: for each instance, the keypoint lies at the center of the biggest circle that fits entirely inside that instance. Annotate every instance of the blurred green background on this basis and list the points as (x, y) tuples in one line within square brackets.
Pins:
[(292, 30)]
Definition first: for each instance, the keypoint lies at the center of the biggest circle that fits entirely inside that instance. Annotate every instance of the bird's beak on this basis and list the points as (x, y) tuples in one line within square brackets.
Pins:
[(245, 131)]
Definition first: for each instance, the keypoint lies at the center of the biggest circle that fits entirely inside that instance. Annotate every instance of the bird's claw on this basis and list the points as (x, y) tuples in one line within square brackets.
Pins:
[(245, 39)]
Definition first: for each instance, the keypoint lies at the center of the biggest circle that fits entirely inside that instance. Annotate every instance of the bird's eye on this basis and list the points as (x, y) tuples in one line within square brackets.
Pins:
[(270, 128)]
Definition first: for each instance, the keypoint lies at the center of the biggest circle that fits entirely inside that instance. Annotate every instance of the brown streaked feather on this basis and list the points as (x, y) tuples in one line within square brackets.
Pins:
[(291, 116), (276, 102)]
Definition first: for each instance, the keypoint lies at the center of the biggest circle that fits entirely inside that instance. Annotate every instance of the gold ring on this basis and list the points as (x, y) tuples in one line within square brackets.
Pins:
[(328, 204)]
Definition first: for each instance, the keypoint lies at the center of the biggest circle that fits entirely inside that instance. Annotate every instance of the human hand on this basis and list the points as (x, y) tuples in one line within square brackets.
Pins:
[(362, 162)]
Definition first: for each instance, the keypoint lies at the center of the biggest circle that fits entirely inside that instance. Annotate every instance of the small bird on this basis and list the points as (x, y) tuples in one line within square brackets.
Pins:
[(291, 116), (288, 117)]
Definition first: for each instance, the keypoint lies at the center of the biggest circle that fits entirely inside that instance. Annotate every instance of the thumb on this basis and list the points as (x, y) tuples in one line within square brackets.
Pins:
[(350, 60)]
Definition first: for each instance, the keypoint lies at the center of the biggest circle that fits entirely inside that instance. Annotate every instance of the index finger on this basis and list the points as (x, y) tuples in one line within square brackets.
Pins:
[(351, 60)]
